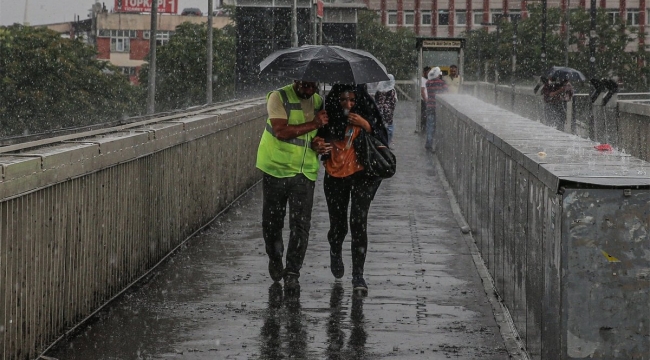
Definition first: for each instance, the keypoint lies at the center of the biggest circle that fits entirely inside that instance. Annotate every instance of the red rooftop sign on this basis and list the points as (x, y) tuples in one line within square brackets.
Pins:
[(164, 6)]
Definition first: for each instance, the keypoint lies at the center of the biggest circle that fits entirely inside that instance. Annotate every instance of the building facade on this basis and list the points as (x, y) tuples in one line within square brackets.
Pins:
[(450, 18), (123, 38)]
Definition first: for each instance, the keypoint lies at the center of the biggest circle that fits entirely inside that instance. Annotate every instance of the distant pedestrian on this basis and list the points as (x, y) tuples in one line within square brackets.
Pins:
[(386, 99), (288, 156), (435, 85), (556, 96), (423, 99), (453, 80), (353, 114)]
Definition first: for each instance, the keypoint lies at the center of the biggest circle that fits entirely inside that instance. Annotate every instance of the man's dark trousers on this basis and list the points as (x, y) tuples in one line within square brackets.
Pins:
[(423, 116), (298, 192)]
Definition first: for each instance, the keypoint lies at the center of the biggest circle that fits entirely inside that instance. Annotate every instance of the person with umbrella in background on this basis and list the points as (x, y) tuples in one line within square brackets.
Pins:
[(556, 95), (386, 99), (352, 114), (288, 156), (557, 91)]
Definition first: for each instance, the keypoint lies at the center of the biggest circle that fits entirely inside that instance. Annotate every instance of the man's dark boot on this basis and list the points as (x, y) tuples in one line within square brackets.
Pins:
[(276, 270)]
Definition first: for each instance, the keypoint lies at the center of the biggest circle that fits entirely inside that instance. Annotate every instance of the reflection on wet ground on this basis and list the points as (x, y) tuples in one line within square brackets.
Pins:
[(214, 298), (283, 335)]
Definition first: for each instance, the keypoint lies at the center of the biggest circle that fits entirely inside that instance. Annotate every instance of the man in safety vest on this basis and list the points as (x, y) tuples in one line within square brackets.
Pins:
[(288, 156)]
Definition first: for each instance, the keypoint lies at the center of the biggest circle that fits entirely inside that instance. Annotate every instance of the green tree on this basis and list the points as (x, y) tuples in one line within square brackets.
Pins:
[(611, 58), (396, 50), (181, 67), (49, 82)]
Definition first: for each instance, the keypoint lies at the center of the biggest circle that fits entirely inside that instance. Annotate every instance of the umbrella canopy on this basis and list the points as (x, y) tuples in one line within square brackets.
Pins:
[(559, 73), (324, 63)]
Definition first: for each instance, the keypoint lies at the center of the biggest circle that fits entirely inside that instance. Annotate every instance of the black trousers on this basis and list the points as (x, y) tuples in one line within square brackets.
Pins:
[(298, 192), (556, 115), (358, 190), (423, 116)]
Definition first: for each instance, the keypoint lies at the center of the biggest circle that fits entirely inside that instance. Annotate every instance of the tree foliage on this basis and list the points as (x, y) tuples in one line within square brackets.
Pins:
[(49, 82), (181, 67), (612, 61), (396, 49)]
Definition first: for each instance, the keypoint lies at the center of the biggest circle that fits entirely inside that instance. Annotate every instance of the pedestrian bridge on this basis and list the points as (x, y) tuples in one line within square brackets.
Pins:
[(143, 241)]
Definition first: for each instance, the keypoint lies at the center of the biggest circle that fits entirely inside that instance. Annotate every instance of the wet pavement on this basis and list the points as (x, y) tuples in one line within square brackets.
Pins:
[(214, 298)]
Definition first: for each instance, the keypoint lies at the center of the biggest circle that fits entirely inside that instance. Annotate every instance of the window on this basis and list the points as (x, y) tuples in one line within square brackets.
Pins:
[(117, 33), (478, 17), (612, 17), (633, 17), (443, 17), (409, 18), (461, 18), (120, 39), (127, 70), (426, 17), (496, 16), (162, 37), (514, 15), (120, 44), (392, 18)]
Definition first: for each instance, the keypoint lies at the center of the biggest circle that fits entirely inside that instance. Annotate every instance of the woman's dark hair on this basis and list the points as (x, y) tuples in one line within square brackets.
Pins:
[(337, 120), (364, 106)]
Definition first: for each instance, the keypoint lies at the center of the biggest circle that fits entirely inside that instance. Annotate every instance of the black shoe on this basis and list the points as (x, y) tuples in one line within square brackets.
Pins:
[(359, 284), (276, 270), (336, 265), (291, 282)]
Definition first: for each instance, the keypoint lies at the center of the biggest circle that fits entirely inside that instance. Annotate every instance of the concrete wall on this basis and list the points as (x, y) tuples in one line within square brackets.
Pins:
[(562, 228), (82, 219), (624, 124)]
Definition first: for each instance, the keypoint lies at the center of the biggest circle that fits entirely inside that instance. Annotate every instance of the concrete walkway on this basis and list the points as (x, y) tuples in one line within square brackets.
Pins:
[(214, 299)]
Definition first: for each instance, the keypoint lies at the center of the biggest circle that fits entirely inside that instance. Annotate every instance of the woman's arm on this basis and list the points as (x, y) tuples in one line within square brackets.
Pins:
[(358, 120)]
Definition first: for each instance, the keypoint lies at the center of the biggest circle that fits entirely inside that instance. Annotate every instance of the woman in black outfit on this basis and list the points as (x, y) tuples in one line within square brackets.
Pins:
[(352, 114)]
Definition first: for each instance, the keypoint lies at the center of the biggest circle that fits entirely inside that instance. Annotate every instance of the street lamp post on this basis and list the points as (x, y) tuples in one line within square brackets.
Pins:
[(478, 61), (496, 61), (514, 60), (544, 26), (592, 62), (151, 84), (209, 79)]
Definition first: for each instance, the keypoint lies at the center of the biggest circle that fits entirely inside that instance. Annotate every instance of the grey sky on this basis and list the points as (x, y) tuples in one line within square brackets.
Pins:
[(54, 11)]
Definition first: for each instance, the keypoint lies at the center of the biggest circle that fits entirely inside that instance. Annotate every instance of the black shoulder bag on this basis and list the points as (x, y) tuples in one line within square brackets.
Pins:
[(376, 158)]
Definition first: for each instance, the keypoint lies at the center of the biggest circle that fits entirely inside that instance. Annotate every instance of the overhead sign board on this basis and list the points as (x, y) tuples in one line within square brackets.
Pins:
[(442, 43), (164, 6)]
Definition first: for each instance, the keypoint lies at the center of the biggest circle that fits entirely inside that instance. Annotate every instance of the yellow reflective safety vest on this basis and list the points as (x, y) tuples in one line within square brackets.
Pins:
[(286, 158)]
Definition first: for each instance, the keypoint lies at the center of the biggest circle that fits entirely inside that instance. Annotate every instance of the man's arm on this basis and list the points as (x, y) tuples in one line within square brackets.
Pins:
[(284, 131), (423, 93), (280, 123)]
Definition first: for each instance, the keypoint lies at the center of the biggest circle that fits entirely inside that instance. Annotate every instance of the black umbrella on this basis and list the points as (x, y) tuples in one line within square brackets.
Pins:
[(324, 63), (559, 73)]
